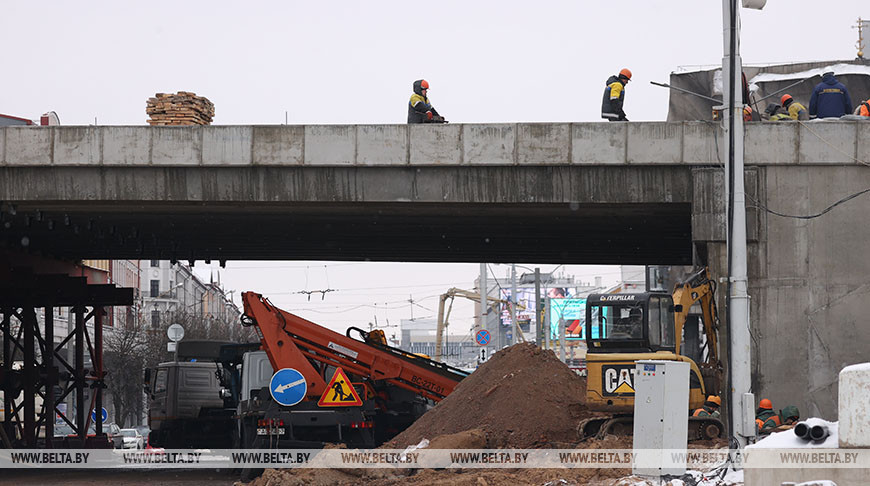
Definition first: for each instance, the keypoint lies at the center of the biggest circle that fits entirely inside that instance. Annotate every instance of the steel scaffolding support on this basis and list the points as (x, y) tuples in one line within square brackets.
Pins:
[(36, 375)]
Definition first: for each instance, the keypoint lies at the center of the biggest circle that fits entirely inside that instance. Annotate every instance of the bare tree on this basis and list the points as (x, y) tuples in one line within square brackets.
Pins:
[(129, 349), (124, 356)]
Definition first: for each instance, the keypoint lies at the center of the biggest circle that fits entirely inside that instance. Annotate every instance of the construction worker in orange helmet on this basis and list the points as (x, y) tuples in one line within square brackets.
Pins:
[(796, 111), (765, 412), (614, 96), (747, 113), (420, 110), (710, 407)]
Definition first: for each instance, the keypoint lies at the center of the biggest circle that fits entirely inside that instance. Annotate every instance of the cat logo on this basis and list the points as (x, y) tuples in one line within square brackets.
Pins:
[(618, 379)]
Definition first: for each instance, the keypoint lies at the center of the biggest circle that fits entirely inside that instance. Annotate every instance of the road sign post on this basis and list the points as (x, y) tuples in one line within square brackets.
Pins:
[(104, 413), (482, 337), (339, 392), (175, 333), (288, 387)]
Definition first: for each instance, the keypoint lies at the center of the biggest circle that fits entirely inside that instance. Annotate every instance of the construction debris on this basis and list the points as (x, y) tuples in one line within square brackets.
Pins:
[(182, 108)]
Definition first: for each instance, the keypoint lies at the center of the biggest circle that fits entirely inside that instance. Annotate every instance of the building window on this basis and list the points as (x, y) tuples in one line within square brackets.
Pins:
[(155, 263), (155, 288), (155, 318)]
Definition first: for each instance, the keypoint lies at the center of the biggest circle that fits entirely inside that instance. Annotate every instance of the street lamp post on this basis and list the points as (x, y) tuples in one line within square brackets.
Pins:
[(741, 401), (513, 301)]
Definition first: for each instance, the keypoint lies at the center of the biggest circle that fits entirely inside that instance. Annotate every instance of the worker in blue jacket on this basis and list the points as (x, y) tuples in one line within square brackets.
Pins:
[(830, 99)]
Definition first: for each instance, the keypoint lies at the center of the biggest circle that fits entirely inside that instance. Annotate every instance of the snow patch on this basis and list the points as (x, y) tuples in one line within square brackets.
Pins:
[(838, 69), (856, 367)]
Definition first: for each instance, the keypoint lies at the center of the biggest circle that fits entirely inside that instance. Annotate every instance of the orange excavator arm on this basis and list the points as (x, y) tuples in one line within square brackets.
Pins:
[(293, 342)]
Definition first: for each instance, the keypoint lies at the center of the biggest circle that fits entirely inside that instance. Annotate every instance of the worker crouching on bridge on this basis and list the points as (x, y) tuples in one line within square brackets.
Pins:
[(710, 407), (796, 111), (614, 96), (420, 110)]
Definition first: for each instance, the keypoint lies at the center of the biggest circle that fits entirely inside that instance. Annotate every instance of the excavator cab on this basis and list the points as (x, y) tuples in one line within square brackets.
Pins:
[(622, 329), (630, 323)]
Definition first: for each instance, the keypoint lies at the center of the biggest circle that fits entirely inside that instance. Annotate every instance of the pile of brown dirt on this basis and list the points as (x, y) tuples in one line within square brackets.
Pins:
[(522, 397)]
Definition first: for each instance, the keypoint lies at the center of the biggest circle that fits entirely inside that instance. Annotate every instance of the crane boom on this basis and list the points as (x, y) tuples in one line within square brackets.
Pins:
[(293, 342), (444, 318)]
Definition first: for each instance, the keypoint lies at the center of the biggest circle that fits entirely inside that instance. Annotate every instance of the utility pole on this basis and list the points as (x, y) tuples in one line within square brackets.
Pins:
[(539, 328), (741, 400), (513, 303), (547, 331), (484, 306)]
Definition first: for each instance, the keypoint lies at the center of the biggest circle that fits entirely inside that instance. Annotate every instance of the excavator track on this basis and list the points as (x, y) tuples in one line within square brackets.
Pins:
[(700, 428)]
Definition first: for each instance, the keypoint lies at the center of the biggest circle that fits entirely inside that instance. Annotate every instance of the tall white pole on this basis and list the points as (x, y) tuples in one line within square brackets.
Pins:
[(513, 300), (483, 297), (738, 299), (484, 305)]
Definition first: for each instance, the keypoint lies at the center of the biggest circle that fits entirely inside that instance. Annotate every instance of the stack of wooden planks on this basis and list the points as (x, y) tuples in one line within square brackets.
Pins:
[(182, 108)]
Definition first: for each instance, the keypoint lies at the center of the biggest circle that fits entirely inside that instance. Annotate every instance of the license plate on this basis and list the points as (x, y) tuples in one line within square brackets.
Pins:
[(265, 431)]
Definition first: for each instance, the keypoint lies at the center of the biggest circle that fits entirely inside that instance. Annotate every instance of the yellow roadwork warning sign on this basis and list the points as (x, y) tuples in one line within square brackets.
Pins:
[(339, 392)]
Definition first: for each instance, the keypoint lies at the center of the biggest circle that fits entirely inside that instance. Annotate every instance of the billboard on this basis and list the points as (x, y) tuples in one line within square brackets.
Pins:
[(526, 306), (573, 311)]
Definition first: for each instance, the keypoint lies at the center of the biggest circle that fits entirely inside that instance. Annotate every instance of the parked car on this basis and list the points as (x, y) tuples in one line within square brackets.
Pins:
[(63, 430), (113, 437), (113, 432), (144, 431), (132, 439)]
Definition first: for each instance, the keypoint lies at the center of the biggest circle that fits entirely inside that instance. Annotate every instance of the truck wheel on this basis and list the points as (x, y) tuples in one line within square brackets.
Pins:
[(249, 439)]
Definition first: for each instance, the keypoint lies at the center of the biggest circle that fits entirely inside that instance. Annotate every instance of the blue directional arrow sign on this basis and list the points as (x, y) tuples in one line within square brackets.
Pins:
[(288, 387), (105, 415), (482, 337)]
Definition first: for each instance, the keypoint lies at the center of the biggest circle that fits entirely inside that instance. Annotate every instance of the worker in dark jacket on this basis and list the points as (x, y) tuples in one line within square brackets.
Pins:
[(420, 110), (830, 99), (614, 96), (789, 415), (710, 407), (796, 111)]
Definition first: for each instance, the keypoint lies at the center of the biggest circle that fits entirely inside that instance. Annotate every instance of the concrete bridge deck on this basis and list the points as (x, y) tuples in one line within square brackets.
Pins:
[(590, 144)]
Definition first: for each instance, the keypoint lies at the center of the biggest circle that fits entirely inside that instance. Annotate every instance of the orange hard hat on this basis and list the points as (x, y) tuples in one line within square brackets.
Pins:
[(715, 399), (766, 404), (424, 84), (785, 97), (625, 73)]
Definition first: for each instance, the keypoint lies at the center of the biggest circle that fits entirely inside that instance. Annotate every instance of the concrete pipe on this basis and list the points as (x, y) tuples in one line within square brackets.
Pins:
[(802, 430), (818, 433)]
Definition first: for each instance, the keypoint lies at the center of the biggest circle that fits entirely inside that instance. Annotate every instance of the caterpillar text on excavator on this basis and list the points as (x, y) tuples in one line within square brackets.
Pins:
[(623, 328)]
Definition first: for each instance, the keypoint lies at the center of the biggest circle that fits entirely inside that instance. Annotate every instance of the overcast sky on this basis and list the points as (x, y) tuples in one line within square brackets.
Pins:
[(354, 62)]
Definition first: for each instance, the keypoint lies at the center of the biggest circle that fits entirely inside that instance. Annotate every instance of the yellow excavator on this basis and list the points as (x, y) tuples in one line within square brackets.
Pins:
[(623, 328), (443, 317)]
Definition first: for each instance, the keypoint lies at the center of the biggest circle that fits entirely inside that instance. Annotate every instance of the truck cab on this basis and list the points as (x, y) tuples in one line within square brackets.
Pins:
[(186, 409)]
